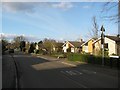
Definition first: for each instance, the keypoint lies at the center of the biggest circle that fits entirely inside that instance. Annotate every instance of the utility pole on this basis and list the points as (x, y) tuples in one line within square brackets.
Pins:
[(118, 17), (102, 43), (118, 26)]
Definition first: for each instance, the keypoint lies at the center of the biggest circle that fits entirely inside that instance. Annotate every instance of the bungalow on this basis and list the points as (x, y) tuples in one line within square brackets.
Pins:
[(111, 44), (72, 46)]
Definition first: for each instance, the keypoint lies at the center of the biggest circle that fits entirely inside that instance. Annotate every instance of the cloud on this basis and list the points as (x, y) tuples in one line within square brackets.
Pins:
[(29, 7), (12, 36), (59, 0), (86, 7), (8, 36), (63, 5), (19, 7)]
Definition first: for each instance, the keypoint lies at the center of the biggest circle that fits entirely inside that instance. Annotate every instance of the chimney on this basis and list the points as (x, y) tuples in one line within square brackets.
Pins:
[(81, 40), (118, 35)]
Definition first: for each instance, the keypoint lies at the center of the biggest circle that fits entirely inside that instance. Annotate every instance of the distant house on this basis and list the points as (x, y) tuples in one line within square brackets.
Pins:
[(72, 46), (27, 46), (58, 47), (112, 45), (87, 46), (37, 46)]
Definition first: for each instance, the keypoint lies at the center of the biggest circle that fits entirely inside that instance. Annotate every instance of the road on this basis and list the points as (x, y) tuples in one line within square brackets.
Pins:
[(40, 73)]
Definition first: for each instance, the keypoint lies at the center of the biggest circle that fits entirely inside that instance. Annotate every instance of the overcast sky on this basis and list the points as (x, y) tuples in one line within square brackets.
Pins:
[(57, 20)]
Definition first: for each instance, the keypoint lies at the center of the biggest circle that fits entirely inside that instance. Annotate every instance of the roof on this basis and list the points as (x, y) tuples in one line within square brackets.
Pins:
[(85, 43), (59, 44), (114, 38), (96, 40), (75, 43)]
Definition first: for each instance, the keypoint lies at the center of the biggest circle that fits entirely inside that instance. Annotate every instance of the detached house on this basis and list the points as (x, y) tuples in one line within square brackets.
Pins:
[(87, 46), (57, 47), (72, 46), (111, 44)]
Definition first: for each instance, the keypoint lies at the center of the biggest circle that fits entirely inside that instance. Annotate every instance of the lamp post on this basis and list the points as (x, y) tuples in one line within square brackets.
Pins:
[(102, 43)]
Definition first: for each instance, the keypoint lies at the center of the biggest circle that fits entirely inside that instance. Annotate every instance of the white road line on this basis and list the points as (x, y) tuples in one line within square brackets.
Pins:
[(88, 71), (75, 81), (77, 72), (68, 64), (71, 72)]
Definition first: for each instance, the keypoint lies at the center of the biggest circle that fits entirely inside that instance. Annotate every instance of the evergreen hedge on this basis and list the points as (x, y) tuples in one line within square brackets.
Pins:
[(90, 59)]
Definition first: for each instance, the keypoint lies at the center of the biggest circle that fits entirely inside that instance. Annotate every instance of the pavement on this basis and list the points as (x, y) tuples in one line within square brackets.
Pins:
[(8, 72), (49, 72)]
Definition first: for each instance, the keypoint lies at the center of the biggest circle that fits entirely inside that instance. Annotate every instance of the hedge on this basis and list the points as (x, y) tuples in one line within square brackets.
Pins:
[(90, 59)]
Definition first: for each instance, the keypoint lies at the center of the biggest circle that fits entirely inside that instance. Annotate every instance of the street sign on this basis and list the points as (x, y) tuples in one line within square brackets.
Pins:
[(102, 29)]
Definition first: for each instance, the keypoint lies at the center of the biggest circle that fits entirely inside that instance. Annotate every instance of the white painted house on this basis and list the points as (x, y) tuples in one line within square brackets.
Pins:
[(72, 46), (112, 44)]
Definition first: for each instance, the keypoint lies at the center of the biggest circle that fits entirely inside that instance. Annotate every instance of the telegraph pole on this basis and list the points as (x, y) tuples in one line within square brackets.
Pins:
[(118, 17), (102, 43)]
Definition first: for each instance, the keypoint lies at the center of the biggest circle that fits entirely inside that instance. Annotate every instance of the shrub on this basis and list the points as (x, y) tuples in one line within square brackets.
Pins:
[(37, 51), (77, 57), (88, 58)]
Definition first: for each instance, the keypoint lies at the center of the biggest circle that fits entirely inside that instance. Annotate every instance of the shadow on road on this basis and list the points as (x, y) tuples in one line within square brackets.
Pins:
[(40, 73)]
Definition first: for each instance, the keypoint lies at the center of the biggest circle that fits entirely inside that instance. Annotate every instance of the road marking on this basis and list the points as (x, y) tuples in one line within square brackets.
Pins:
[(68, 64), (75, 81), (71, 72), (68, 72), (77, 72), (88, 71)]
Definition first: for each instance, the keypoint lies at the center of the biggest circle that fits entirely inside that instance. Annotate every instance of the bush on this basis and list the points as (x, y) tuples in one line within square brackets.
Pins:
[(37, 52), (88, 58), (77, 57), (91, 59), (24, 49)]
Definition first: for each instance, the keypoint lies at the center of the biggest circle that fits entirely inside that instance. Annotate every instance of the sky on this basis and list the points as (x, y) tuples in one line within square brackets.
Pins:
[(55, 20)]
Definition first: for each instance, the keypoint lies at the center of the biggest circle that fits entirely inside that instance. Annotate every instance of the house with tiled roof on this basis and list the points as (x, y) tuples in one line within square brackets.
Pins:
[(111, 44), (58, 47), (72, 46), (87, 46)]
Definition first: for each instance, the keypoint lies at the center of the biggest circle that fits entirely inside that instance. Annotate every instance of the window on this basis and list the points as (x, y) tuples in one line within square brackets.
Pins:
[(106, 45)]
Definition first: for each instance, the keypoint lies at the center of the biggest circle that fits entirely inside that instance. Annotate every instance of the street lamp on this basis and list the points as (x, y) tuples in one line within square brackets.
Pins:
[(102, 43)]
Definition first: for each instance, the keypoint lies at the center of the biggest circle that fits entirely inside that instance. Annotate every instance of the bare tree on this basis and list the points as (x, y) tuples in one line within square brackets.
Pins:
[(17, 41), (109, 6), (94, 32), (95, 28)]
